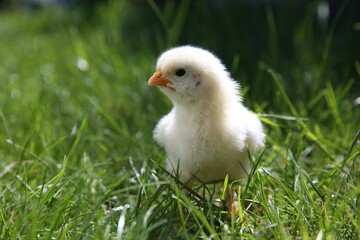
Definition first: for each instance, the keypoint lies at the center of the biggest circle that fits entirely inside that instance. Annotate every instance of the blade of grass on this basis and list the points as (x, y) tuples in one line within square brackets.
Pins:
[(272, 39), (77, 136), (330, 35), (225, 186), (122, 130), (9, 135), (254, 167), (333, 104)]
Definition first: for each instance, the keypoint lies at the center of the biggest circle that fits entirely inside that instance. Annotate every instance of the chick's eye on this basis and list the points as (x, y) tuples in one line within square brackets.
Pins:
[(180, 72)]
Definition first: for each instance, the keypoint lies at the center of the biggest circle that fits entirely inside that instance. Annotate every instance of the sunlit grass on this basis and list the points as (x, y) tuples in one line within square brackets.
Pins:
[(77, 158)]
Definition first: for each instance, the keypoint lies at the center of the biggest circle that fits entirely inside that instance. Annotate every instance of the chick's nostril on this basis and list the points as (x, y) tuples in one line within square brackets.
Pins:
[(158, 74)]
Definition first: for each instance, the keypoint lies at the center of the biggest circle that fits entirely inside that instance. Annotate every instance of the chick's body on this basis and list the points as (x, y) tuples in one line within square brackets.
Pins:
[(206, 133)]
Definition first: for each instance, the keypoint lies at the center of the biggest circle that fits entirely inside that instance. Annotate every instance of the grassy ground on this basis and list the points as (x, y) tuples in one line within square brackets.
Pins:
[(77, 159)]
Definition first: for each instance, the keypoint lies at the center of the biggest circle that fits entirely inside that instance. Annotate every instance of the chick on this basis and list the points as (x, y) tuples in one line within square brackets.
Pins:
[(208, 130)]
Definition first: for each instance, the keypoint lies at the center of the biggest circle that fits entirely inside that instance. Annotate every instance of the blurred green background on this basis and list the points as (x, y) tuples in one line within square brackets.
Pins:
[(300, 39)]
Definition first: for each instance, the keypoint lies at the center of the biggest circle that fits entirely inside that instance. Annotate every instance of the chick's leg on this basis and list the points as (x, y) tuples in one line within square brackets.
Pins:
[(231, 200)]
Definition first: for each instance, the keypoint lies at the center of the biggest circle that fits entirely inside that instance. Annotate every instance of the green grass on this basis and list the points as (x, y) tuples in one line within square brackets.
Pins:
[(77, 158)]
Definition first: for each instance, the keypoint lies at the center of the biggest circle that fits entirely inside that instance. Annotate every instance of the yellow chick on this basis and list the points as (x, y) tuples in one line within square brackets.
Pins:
[(208, 130)]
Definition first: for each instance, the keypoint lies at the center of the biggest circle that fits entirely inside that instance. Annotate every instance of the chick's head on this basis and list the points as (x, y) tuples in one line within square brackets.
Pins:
[(187, 74)]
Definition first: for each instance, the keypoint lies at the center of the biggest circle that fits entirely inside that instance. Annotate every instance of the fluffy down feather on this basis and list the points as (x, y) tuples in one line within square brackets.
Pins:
[(207, 132)]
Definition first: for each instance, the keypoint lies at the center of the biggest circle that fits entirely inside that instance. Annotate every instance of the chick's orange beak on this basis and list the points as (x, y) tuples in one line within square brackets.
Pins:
[(158, 80)]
